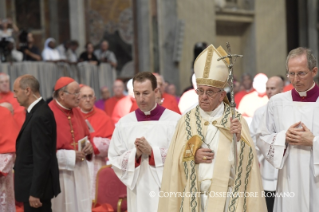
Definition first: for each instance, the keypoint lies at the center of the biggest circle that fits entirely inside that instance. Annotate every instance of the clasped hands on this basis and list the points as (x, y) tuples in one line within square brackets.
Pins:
[(87, 150), (142, 147), (298, 134), (206, 155)]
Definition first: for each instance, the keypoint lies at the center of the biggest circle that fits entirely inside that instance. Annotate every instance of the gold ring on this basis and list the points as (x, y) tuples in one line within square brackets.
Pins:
[(82, 159), (204, 158)]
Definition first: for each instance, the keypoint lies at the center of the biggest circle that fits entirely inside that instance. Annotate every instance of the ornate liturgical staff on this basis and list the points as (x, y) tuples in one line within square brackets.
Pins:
[(232, 102)]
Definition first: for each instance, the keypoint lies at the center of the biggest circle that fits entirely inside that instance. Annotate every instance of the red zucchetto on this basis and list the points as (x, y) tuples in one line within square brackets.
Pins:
[(63, 81)]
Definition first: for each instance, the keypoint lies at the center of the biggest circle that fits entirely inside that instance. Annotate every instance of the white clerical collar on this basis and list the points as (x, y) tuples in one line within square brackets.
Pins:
[(218, 112), (304, 93), (86, 112), (61, 105), (33, 103), (147, 113)]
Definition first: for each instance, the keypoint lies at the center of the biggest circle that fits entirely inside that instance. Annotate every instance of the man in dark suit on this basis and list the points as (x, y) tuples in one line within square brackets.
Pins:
[(36, 175)]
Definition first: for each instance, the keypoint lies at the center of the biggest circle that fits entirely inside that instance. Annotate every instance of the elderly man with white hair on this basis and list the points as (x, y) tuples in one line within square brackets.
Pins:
[(200, 160)]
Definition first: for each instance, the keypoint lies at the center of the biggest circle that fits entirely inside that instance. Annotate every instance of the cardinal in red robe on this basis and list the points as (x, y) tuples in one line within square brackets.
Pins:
[(9, 131), (74, 147), (101, 128), (247, 83), (118, 89)]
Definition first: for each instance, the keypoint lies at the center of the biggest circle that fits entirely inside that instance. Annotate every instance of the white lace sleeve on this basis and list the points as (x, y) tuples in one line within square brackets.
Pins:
[(271, 143), (123, 160)]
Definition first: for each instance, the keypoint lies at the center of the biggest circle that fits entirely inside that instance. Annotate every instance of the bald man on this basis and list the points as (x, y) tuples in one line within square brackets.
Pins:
[(101, 129), (118, 89), (168, 101), (269, 174), (36, 173)]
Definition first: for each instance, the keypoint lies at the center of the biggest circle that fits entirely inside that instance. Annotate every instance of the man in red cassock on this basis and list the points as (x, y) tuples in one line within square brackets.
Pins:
[(168, 101), (247, 82), (8, 134), (126, 105), (110, 104), (101, 128), (74, 146), (7, 96)]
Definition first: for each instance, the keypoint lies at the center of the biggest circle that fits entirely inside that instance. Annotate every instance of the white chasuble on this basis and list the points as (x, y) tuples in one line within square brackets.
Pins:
[(298, 177), (144, 181)]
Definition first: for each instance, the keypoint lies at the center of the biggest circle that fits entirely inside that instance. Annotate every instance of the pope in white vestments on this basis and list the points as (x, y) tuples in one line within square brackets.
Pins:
[(139, 145), (199, 172), (289, 136)]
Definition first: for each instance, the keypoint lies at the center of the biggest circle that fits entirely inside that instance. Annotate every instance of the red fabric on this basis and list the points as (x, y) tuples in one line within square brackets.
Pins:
[(288, 87), (19, 111), (122, 108), (102, 124), (151, 159), (109, 188), (238, 96), (134, 106), (170, 103), (111, 103), (138, 162), (62, 81), (9, 131), (102, 208), (19, 207), (64, 135)]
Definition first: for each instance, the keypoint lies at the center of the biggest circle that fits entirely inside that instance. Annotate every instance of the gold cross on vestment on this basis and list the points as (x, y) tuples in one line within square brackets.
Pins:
[(74, 144)]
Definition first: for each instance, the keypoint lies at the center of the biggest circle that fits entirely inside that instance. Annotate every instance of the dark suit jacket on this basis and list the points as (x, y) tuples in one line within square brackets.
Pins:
[(36, 170)]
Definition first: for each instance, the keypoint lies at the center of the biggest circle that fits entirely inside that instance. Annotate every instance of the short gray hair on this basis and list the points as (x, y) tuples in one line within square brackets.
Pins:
[(311, 59), (56, 93), (29, 81)]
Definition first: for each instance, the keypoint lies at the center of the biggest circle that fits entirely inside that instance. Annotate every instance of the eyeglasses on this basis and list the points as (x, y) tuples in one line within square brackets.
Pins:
[(75, 94), (300, 74), (89, 96), (209, 93)]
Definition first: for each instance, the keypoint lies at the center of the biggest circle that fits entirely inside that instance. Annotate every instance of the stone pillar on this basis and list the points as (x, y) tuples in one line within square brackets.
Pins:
[(54, 21), (3, 12), (169, 35), (77, 22), (312, 26), (143, 33), (271, 37)]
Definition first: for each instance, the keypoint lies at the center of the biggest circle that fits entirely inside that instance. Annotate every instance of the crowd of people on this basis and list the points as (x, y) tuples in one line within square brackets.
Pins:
[(159, 142), (25, 49)]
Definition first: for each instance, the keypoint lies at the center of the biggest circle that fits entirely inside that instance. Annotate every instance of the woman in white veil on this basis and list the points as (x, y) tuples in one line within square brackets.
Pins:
[(49, 52)]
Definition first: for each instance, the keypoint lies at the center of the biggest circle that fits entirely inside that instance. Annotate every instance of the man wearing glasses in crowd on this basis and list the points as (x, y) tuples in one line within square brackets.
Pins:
[(289, 135), (74, 147)]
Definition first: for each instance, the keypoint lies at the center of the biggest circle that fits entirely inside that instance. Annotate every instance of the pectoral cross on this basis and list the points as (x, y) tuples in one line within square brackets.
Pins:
[(74, 144)]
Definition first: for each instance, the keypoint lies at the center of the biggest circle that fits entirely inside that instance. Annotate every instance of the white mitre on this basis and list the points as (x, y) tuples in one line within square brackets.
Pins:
[(208, 70), (211, 72)]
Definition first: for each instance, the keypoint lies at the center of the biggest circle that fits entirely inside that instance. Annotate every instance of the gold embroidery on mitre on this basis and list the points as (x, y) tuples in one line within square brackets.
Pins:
[(194, 143), (208, 62), (211, 82), (222, 53)]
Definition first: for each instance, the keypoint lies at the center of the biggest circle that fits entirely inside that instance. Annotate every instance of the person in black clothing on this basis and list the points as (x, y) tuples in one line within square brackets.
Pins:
[(30, 52), (88, 55), (36, 172)]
